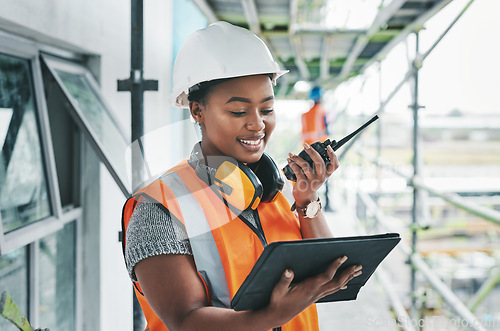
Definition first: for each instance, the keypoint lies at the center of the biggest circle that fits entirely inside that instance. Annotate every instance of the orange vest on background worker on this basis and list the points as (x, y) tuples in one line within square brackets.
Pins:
[(224, 247), (314, 125)]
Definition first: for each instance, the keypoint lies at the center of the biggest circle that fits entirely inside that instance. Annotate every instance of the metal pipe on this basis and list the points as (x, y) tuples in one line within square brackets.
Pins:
[(416, 171), (381, 108), (438, 40), (137, 114), (485, 289), (454, 199), (383, 15), (137, 95), (415, 25), (379, 135), (296, 41), (252, 16), (419, 264), (205, 8), (451, 299), (136, 84), (402, 317)]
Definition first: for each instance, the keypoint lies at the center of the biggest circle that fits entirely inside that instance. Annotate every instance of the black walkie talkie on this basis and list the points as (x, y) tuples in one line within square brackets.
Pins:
[(320, 147)]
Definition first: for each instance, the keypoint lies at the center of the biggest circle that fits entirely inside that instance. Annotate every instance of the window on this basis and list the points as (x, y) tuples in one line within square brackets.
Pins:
[(57, 259), (38, 250), (46, 170), (93, 117), (23, 188)]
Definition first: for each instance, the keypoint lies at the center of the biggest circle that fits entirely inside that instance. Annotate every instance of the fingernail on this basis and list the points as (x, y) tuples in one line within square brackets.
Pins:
[(358, 268), (306, 146), (329, 147), (288, 273), (290, 154), (343, 288), (344, 258)]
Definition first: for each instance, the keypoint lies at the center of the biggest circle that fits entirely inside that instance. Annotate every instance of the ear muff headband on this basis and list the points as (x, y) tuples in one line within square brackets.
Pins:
[(269, 175), (243, 186)]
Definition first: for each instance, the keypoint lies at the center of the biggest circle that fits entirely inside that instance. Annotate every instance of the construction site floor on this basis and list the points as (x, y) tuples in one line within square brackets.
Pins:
[(371, 309)]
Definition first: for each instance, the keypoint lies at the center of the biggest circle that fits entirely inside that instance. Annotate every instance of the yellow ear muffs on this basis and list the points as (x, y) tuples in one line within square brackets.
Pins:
[(238, 185)]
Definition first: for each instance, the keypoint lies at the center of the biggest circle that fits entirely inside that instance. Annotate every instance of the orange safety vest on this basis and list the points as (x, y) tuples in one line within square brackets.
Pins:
[(313, 125), (224, 247)]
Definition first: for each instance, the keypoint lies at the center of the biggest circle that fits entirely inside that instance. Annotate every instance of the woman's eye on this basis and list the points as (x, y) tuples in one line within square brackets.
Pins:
[(267, 111), (238, 113)]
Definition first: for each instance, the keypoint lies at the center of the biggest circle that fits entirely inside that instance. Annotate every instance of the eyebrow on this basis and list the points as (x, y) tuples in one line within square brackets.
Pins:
[(240, 99)]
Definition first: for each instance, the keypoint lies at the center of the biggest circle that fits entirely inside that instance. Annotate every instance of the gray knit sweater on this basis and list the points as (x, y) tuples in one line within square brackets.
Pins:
[(152, 230)]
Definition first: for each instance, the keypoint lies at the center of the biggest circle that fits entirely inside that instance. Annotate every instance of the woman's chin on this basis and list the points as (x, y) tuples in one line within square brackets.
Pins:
[(254, 157)]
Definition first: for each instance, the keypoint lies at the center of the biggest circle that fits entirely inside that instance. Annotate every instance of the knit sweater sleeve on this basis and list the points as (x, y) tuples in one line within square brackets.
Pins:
[(152, 230)]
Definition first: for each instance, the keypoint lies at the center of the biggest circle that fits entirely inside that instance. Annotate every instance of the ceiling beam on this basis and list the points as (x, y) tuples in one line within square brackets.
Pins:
[(316, 29), (252, 16), (414, 26), (296, 41), (380, 20), (324, 66), (206, 10)]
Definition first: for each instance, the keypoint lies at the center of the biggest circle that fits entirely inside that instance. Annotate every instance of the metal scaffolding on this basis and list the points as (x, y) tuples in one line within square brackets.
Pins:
[(419, 189)]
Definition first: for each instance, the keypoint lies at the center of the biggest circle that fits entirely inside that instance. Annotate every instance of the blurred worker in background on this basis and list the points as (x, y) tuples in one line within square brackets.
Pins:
[(315, 127)]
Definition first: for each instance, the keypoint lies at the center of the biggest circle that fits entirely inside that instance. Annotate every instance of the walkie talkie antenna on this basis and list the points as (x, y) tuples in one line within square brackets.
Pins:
[(320, 147), (337, 145)]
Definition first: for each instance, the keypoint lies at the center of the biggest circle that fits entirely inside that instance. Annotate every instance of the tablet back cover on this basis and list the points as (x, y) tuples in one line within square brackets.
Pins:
[(310, 257)]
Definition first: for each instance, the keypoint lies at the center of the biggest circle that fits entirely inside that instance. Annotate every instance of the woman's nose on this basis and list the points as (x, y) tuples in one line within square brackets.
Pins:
[(256, 122)]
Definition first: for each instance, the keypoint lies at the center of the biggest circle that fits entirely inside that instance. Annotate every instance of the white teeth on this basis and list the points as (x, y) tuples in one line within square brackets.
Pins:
[(250, 142)]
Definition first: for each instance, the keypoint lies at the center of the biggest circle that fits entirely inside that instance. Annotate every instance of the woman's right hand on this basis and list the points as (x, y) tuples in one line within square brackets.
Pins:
[(288, 300)]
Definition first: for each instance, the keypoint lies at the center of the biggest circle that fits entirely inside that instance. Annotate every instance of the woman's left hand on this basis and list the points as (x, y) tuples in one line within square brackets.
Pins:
[(310, 179)]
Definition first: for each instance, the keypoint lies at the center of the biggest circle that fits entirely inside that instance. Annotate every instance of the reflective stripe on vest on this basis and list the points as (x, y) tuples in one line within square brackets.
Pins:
[(205, 252)]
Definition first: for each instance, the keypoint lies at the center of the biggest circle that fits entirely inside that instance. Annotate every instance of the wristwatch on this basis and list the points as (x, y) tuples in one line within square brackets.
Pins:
[(311, 210)]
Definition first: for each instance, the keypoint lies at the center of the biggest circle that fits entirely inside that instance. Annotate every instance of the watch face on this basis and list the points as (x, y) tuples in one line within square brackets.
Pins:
[(313, 209)]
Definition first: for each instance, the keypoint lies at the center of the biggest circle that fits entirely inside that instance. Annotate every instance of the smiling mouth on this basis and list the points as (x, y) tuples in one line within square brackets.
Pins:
[(250, 142), (253, 144)]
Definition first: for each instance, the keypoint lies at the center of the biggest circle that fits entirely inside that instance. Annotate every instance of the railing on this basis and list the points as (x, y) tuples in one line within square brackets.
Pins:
[(417, 261)]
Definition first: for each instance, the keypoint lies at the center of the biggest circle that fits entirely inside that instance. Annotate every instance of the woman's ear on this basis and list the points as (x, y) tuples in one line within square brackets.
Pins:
[(196, 110)]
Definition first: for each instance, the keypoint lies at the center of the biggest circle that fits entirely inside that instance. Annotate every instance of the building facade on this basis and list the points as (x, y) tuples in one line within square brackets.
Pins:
[(65, 145)]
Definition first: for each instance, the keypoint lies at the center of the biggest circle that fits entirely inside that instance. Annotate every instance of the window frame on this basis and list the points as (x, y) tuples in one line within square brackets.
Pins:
[(52, 63), (28, 236), (23, 236)]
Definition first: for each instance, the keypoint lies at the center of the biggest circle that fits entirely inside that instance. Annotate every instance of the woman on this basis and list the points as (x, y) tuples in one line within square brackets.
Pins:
[(194, 234)]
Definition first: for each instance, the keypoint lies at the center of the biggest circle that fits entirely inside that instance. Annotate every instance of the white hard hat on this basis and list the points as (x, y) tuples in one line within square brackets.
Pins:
[(220, 50)]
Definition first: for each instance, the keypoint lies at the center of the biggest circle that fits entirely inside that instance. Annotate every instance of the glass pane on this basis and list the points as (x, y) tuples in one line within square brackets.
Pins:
[(57, 279), (14, 280), (97, 119), (23, 186)]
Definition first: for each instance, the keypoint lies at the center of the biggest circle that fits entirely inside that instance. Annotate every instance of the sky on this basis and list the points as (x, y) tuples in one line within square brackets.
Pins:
[(463, 70)]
